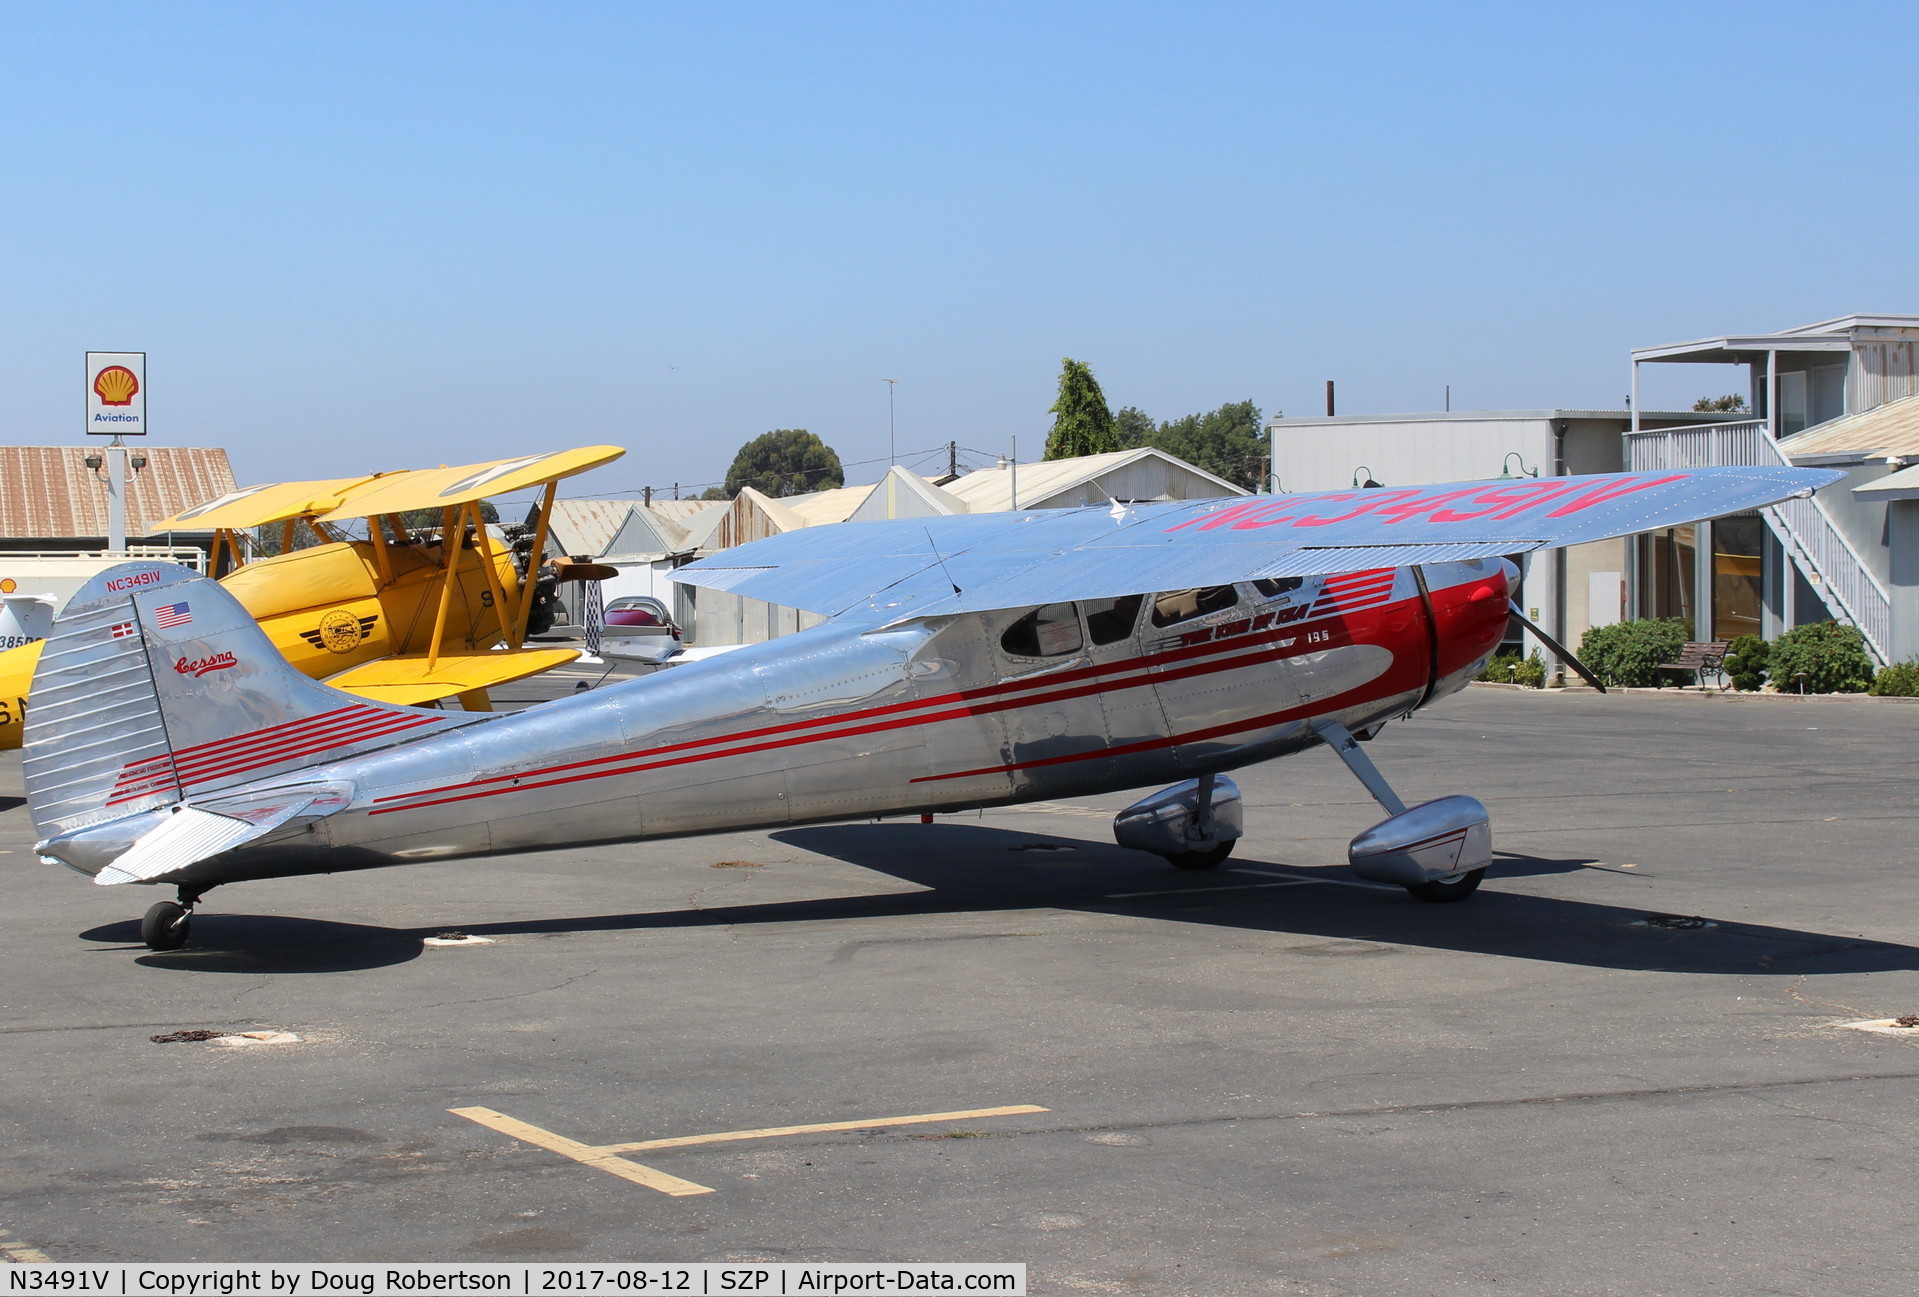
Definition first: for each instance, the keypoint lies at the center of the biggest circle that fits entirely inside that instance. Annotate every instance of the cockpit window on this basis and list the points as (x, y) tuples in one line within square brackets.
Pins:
[(1274, 586), (1048, 632), (1183, 605), (1111, 620)]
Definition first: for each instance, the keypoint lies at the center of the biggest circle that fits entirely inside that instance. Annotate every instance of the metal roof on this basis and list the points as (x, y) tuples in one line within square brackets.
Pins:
[(48, 492), (1889, 429), (990, 490), (584, 528), (1687, 417), (1837, 334)]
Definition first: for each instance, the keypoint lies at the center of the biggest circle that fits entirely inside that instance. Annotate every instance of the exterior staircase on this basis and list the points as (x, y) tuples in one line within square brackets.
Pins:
[(1816, 547)]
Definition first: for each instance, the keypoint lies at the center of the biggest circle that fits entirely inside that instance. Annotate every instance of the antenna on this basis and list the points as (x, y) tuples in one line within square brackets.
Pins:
[(892, 457), (934, 545)]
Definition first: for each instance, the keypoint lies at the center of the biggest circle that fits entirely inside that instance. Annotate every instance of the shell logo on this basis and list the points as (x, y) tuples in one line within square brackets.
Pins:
[(116, 385), (6, 585)]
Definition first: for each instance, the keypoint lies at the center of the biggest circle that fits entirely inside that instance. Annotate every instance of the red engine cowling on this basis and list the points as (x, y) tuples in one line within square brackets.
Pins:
[(1469, 619)]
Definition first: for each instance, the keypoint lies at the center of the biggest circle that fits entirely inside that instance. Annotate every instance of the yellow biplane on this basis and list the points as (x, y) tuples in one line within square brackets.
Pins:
[(402, 615)]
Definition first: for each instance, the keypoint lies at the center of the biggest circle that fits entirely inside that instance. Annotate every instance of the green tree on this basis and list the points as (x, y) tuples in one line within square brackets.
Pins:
[(1134, 427), (786, 461), (1229, 442), (1719, 404), (1082, 423)]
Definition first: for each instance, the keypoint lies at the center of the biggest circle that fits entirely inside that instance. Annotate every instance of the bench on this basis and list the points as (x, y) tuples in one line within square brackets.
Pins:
[(1700, 657)]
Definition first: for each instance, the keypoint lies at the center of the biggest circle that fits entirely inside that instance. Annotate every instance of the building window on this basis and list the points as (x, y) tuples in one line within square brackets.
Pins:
[(1177, 606), (1810, 396), (1737, 544), (1052, 631), (1666, 570)]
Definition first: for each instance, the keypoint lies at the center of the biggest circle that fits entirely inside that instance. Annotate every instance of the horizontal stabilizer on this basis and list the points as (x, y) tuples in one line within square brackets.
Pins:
[(193, 833)]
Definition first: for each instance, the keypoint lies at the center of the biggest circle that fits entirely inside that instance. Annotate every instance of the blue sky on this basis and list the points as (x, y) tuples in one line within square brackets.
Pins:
[(365, 237)]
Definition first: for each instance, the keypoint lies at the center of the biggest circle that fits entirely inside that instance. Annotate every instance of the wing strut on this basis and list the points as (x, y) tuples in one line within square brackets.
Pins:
[(1560, 649)]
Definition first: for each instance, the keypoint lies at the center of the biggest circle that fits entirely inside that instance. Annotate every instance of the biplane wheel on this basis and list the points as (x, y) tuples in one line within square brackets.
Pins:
[(1203, 859), (166, 925), (1448, 889)]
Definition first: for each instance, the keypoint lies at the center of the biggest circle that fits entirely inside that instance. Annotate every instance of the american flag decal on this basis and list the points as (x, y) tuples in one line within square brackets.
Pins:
[(123, 630), (169, 615)]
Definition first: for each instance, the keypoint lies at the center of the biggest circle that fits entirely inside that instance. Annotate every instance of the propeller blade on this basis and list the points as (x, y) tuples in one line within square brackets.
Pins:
[(1560, 650)]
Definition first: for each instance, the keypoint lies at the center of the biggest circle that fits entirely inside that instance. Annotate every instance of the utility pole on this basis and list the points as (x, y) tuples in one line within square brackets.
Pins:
[(891, 456), (952, 459), (646, 496), (1013, 465), (1329, 398)]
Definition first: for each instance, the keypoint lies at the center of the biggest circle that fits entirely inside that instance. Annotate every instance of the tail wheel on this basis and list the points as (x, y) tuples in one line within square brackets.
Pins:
[(166, 925), (1449, 889), (1203, 859)]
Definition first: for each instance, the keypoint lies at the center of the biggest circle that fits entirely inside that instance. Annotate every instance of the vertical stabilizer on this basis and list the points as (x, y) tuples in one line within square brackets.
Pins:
[(157, 687)]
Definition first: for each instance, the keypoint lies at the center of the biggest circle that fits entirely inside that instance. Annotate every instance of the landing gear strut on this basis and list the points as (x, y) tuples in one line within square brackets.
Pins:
[(1193, 824), (1437, 850), (166, 925)]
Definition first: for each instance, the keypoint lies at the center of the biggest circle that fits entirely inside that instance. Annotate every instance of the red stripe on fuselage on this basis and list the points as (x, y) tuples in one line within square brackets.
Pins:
[(1228, 656), (1048, 681)]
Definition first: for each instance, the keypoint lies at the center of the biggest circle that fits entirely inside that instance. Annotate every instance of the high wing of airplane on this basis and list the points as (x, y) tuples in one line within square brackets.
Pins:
[(404, 615), (969, 661)]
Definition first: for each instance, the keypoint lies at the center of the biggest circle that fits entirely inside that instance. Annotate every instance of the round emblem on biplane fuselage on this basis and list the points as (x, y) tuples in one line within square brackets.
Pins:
[(341, 631)]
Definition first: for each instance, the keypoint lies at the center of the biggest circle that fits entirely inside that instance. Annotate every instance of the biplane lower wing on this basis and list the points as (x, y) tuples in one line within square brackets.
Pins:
[(899, 570), (411, 679)]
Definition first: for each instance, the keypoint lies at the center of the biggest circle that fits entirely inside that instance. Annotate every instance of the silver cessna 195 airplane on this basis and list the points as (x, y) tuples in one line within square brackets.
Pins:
[(967, 661)]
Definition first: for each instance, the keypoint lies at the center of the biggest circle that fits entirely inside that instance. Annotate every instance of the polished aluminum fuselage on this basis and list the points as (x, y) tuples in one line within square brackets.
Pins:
[(841, 722)]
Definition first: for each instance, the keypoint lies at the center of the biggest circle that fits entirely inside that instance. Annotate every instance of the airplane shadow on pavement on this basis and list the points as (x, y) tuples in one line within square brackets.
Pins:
[(970, 868)]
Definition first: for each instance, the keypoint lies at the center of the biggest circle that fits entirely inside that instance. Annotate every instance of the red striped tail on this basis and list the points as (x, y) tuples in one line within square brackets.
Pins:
[(157, 687)]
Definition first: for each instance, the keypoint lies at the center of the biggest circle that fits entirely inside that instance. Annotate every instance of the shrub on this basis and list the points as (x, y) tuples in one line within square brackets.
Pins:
[(1832, 657), (1628, 653), (1900, 680), (1746, 662), (1511, 669)]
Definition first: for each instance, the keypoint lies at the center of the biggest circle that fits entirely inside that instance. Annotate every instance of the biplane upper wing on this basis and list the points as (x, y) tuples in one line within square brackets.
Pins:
[(411, 678), (443, 488), (902, 569), (256, 506)]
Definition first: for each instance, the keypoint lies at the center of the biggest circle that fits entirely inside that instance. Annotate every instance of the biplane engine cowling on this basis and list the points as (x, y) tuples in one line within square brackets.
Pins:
[(1168, 822), (1439, 839)]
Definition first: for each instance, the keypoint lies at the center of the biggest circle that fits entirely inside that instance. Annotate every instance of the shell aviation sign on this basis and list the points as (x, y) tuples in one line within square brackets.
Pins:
[(117, 393)]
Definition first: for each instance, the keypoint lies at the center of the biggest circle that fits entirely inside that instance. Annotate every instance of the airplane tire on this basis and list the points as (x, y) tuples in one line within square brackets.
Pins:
[(1450, 889), (1203, 859), (165, 926)]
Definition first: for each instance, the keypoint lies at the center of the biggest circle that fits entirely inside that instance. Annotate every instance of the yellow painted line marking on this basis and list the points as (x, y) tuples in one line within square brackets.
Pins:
[(20, 1253), (606, 1157), (769, 1132), (586, 1154)]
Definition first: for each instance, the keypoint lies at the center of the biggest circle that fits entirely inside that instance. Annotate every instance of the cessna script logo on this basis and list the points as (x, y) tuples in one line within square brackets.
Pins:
[(200, 666)]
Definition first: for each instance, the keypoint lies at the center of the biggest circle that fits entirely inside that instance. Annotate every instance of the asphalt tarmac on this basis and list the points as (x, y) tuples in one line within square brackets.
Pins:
[(1262, 1080)]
